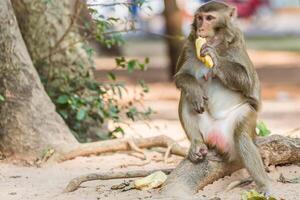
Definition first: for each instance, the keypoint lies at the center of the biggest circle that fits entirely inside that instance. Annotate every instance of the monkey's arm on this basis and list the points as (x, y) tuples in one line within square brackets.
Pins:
[(234, 76), (236, 72), (186, 81)]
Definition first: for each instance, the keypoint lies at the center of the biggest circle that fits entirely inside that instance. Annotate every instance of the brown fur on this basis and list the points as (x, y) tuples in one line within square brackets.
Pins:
[(235, 70)]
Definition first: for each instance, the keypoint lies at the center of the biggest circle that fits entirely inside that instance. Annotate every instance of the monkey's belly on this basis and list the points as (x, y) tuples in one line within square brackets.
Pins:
[(219, 133)]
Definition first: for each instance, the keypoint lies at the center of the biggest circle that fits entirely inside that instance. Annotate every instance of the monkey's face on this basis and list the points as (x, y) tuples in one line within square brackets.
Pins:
[(209, 19), (206, 24)]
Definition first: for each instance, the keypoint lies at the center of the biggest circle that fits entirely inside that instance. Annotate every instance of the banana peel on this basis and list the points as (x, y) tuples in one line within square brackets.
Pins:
[(207, 60), (151, 181)]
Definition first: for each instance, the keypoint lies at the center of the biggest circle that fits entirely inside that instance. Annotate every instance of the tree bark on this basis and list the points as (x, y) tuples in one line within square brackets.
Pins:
[(274, 149), (52, 36), (28, 121), (173, 22), (53, 33)]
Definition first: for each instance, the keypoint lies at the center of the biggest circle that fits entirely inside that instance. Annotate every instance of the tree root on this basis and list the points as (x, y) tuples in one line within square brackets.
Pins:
[(125, 145), (187, 178), (274, 149), (74, 184)]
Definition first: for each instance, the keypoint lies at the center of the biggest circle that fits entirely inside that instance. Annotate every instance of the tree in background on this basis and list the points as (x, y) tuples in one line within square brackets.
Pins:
[(173, 21)]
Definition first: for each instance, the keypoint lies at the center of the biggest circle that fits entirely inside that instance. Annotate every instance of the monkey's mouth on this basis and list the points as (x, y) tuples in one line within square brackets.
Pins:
[(202, 34)]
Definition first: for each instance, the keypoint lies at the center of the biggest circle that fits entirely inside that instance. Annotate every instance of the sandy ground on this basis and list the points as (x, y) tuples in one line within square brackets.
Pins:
[(18, 182), (29, 183), (281, 113)]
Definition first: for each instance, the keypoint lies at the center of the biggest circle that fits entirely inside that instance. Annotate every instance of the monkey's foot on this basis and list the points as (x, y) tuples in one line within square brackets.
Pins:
[(197, 152)]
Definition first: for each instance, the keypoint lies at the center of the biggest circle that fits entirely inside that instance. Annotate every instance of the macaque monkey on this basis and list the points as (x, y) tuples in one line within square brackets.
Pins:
[(218, 106)]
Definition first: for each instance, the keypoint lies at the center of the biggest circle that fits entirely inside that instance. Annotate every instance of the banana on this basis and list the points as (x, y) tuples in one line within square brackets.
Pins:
[(207, 60)]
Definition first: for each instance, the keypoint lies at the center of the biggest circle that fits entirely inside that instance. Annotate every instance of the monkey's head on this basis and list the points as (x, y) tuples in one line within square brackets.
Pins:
[(212, 17)]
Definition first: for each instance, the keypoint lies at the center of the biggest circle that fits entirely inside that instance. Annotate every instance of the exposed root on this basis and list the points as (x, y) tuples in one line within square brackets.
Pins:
[(134, 147), (274, 150), (140, 164), (168, 152), (125, 145), (74, 184), (136, 155)]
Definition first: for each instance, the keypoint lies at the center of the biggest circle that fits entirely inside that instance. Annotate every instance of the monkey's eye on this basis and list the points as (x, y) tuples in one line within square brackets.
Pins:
[(200, 18), (209, 17)]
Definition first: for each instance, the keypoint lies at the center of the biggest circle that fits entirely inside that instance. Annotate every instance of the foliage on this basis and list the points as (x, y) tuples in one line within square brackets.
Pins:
[(253, 195), (85, 103), (2, 98), (262, 129)]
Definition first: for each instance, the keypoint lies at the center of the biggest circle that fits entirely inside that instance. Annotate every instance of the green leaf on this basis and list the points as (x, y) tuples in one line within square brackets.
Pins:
[(63, 99), (119, 129), (142, 66), (131, 113), (120, 62), (131, 65), (261, 129), (81, 114), (253, 195), (111, 76), (63, 113), (147, 60), (2, 98), (144, 86)]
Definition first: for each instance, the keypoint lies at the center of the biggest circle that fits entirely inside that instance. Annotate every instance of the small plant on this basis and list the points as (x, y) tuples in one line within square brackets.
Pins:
[(83, 102), (262, 129), (2, 98), (253, 195)]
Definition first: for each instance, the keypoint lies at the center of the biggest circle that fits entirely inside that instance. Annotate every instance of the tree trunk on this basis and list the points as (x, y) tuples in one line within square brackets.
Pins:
[(52, 36), (53, 33), (28, 121), (173, 28)]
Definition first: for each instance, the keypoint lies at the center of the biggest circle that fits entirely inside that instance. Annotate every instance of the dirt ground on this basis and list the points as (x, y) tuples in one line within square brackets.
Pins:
[(19, 182), (281, 113), (48, 182)]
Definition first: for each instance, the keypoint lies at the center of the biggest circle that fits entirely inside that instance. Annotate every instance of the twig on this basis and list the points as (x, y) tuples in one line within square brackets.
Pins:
[(72, 22), (75, 183), (112, 4), (145, 162)]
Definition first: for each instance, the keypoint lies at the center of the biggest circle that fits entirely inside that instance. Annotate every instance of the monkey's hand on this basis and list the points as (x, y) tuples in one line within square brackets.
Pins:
[(196, 98), (211, 51), (197, 151)]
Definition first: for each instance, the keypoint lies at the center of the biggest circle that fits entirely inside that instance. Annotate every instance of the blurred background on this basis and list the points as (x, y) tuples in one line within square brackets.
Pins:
[(272, 31)]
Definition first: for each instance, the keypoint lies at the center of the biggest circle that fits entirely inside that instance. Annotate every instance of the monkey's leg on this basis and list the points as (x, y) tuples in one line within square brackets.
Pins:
[(189, 121), (252, 161)]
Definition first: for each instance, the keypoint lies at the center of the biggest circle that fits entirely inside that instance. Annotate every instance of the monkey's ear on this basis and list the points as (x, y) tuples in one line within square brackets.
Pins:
[(233, 12), (229, 36)]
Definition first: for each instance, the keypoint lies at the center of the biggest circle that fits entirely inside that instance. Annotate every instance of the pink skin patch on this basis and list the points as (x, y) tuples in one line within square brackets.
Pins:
[(215, 138)]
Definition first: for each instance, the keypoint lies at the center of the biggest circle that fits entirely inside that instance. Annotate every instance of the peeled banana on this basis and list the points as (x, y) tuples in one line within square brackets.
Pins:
[(207, 60)]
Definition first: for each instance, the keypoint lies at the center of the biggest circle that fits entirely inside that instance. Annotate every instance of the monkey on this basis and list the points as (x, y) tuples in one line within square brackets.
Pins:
[(218, 106)]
